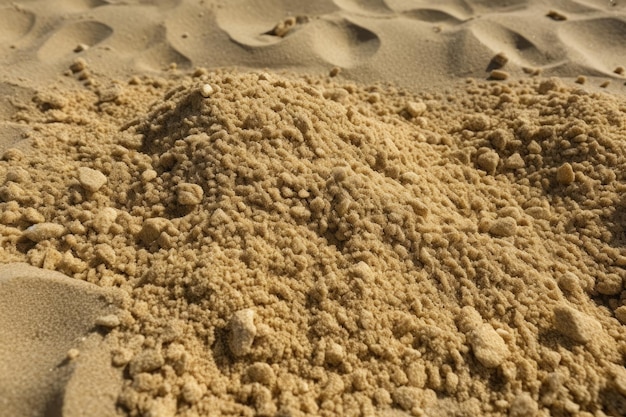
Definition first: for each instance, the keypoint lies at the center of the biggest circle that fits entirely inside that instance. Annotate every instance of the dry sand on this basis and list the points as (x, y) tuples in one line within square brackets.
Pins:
[(387, 208)]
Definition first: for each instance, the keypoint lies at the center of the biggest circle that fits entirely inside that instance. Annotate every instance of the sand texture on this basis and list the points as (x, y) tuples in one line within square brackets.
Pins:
[(290, 208)]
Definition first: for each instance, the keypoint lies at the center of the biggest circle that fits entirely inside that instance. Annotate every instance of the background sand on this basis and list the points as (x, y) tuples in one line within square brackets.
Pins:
[(415, 45)]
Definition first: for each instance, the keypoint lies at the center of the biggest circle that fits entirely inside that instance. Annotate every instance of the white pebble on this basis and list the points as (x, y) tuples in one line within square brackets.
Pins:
[(90, 179), (242, 332), (206, 90)]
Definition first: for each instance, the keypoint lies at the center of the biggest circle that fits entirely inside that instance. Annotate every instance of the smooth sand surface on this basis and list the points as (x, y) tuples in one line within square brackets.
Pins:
[(351, 229)]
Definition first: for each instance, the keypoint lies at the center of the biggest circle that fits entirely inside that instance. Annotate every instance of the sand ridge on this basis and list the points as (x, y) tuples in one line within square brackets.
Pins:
[(427, 43)]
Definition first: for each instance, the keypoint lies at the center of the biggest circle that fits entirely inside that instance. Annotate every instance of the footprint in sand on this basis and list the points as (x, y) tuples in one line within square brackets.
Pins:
[(349, 43), (599, 42), (63, 42), (14, 24)]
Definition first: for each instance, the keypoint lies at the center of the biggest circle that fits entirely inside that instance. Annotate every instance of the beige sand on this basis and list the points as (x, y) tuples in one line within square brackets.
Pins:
[(275, 244)]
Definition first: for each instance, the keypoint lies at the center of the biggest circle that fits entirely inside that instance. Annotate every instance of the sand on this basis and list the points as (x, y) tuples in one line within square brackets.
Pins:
[(312, 208)]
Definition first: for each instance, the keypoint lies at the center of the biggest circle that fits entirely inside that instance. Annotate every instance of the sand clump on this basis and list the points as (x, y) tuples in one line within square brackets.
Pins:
[(290, 246)]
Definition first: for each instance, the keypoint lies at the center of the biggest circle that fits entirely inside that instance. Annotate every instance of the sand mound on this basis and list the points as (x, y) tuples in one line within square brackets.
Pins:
[(53, 359), (298, 247)]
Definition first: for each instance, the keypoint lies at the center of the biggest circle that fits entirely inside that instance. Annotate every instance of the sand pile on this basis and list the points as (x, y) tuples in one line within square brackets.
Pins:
[(290, 246)]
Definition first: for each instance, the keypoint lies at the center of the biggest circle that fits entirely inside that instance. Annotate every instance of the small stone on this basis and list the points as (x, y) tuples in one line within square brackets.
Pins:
[(488, 162), (335, 354), (407, 398), (110, 93), (43, 231), (262, 373), (534, 147), (574, 324), (515, 161), (619, 70), (242, 332), (152, 229), (189, 194), (73, 354), (498, 75), (104, 219), (78, 65), (503, 227), (551, 84), (558, 16), (206, 90), (147, 361), (523, 406), (90, 179), (569, 282), (565, 174), (120, 357), (609, 284), (148, 175), (416, 109), (499, 60), (105, 253), (109, 321), (282, 28), (477, 123), (581, 79), (488, 346), (33, 216), (192, 391), (500, 138), (81, 47), (334, 71)]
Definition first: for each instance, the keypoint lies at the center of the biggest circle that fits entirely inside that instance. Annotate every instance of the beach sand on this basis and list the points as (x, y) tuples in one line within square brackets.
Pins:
[(290, 208)]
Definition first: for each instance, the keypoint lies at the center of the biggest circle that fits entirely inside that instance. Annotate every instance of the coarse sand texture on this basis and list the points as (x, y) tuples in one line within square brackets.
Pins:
[(293, 246)]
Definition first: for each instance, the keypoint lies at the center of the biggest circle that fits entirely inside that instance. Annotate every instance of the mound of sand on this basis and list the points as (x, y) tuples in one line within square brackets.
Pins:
[(294, 246), (53, 359)]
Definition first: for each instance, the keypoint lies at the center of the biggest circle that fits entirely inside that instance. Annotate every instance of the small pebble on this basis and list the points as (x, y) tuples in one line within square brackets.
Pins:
[(81, 47), (488, 346), (43, 231), (488, 162), (415, 109), (565, 174), (499, 60), (78, 65), (557, 16), (146, 361), (110, 321), (498, 75), (90, 179), (73, 354), (242, 332), (575, 325), (206, 90), (504, 227), (189, 194)]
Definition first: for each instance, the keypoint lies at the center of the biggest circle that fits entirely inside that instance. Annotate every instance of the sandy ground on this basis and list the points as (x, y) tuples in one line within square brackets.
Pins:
[(58, 333)]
